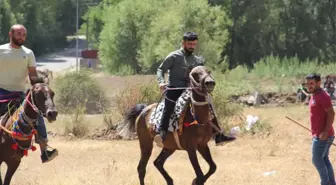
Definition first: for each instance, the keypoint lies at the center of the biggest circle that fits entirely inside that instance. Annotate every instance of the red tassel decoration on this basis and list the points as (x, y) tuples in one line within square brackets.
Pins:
[(34, 132), (25, 152), (33, 148), (14, 146)]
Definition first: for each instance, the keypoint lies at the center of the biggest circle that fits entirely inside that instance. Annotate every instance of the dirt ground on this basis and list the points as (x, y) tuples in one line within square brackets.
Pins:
[(244, 162)]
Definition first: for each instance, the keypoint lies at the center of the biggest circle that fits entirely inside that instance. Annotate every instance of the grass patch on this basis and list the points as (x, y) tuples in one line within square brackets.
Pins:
[(272, 74), (76, 124)]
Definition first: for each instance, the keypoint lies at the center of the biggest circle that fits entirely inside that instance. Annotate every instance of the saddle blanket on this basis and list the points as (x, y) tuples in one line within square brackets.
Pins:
[(181, 103)]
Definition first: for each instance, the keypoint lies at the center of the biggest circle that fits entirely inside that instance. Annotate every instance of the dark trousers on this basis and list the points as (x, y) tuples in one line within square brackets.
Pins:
[(9, 101), (171, 95)]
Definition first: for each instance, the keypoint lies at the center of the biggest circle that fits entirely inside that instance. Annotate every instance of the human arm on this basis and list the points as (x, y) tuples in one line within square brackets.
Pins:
[(163, 68), (32, 72), (326, 104)]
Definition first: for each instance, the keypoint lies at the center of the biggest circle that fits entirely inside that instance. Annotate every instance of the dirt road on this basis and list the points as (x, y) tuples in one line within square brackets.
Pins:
[(62, 60)]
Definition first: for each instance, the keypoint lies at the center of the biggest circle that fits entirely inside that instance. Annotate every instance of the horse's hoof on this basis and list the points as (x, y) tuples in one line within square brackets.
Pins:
[(194, 182)]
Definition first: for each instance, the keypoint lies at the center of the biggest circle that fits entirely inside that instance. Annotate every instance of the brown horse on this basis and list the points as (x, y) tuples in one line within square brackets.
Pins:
[(17, 130), (193, 138)]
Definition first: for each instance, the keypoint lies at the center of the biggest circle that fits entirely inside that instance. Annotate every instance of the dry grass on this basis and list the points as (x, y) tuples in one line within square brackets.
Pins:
[(286, 150)]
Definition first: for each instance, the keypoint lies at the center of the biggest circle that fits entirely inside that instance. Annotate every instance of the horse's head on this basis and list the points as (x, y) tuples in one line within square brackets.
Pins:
[(200, 78), (43, 98)]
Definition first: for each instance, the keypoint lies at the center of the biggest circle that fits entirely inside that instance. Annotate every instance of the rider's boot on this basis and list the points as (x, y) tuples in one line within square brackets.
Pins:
[(220, 137), (163, 129), (47, 155)]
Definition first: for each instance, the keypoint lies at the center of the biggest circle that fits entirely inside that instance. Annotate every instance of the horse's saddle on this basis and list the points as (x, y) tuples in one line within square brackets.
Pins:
[(177, 117), (5, 114)]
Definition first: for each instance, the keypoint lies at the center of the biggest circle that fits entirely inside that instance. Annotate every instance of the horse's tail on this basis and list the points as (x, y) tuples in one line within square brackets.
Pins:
[(126, 129)]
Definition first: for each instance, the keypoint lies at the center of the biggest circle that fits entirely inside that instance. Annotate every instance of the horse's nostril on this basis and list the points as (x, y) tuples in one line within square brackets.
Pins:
[(49, 114), (210, 83), (52, 114)]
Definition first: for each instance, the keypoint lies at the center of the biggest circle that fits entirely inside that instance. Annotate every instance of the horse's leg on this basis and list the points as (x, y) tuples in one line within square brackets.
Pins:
[(11, 168), (159, 162), (194, 161), (206, 154), (146, 147), (0, 173)]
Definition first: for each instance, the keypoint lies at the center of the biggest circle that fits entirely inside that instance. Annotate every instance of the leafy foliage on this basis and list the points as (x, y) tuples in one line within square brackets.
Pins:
[(136, 36), (80, 90), (47, 22)]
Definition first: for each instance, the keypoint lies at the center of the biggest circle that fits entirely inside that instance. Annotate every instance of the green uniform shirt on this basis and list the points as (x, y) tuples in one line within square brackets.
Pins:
[(178, 66)]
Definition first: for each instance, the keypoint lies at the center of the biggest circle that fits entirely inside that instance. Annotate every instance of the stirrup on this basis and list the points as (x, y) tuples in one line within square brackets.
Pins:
[(49, 147)]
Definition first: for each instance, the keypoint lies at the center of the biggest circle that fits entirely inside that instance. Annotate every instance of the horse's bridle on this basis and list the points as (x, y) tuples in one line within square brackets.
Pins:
[(32, 104), (199, 88)]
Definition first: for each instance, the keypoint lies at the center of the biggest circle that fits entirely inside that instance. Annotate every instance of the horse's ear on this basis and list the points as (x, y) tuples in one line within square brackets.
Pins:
[(35, 80)]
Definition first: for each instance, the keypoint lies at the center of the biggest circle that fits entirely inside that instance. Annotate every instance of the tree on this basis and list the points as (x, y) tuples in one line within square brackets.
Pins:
[(7, 18), (137, 36)]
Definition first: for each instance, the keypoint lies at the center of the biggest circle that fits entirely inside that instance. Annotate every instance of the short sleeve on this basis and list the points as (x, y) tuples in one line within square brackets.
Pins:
[(31, 59), (325, 101)]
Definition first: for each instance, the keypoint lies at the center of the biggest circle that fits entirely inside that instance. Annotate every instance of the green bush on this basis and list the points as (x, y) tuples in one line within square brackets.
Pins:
[(147, 93), (224, 107), (271, 74), (274, 67), (76, 124), (77, 89)]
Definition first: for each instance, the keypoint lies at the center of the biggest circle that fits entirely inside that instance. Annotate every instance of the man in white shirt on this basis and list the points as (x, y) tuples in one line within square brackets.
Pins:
[(16, 63)]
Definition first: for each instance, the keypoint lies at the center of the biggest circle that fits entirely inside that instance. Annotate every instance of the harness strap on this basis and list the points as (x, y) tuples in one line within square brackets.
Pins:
[(14, 136)]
